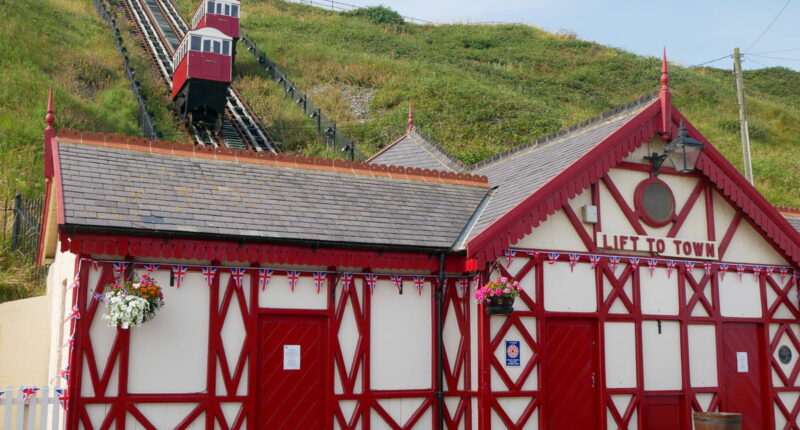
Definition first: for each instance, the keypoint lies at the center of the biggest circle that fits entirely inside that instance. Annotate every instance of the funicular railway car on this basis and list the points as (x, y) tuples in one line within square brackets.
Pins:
[(202, 76), (220, 14)]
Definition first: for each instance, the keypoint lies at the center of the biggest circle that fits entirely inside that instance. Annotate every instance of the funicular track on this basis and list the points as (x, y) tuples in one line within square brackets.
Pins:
[(162, 29)]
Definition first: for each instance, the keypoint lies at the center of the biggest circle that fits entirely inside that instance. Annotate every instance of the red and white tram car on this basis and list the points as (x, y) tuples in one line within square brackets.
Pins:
[(220, 14), (202, 76)]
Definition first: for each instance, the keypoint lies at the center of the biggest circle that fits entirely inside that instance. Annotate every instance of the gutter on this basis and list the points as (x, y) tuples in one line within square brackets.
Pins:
[(462, 238)]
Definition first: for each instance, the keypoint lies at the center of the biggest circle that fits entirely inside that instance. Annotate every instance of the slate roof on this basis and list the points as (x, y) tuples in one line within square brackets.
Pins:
[(133, 189), (794, 221), (520, 172), (415, 150)]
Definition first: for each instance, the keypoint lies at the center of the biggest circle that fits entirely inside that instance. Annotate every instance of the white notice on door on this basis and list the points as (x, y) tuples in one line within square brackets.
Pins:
[(291, 357), (741, 362)]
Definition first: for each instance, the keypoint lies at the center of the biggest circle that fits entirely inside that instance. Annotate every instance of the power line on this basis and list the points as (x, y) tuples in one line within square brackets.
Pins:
[(709, 62), (773, 52), (773, 58), (769, 26), (751, 59)]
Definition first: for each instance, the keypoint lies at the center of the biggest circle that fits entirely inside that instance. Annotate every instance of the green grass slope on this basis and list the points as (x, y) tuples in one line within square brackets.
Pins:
[(62, 43), (478, 90)]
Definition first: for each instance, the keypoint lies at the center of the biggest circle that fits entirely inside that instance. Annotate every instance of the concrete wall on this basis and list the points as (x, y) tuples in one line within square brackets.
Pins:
[(24, 346)]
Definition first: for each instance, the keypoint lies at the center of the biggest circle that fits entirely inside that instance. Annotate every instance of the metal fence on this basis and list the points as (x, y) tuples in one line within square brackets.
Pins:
[(325, 127), (20, 219), (149, 130)]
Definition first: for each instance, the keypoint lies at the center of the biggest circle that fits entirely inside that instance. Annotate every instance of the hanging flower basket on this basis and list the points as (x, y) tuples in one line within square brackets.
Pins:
[(498, 296), (130, 304)]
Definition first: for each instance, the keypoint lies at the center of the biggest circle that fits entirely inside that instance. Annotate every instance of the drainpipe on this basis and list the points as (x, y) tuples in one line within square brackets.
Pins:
[(440, 341)]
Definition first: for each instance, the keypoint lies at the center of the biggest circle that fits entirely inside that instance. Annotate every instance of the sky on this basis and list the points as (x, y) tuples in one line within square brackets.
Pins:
[(693, 32)]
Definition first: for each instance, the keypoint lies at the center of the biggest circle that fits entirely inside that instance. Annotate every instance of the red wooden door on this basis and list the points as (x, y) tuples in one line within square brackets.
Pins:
[(743, 383), (289, 398), (663, 412), (570, 374)]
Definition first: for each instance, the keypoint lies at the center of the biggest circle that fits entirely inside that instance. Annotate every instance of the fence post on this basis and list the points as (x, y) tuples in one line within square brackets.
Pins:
[(15, 229)]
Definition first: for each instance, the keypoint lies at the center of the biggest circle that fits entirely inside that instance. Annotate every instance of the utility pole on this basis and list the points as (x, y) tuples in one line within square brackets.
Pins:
[(737, 71)]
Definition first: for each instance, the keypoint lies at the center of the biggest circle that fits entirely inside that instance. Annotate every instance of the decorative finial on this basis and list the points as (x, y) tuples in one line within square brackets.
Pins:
[(410, 118), (50, 118), (666, 100)]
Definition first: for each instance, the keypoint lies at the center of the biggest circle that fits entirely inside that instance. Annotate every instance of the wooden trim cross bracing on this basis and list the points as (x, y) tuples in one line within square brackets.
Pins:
[(698, 292), (226, 381)]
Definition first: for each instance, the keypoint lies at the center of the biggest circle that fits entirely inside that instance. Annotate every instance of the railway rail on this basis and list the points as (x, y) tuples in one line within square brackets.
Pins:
[(162, 29)]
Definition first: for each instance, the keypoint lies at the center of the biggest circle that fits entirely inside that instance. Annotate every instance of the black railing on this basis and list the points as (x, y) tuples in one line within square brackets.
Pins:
[(20, 219), (324, 126), (149, 130)]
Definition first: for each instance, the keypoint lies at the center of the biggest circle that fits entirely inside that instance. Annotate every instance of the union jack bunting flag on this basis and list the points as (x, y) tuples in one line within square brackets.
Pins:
[(120, 268), (634, 261), (464, 283), (263, 278), (397, 280), (237, 274), (74, 315), (723, 269), (552, 257), (208, 274), (76, 281), (594, 260), (670, 267), (319, 280), (347, 281), (292, 276), (62, 397), (1, 394), (740, 271), (28, 392), (179, 271), (419, 282), (70, 341), (64, 373), (769, 270), (689, 265), (757, 271), (573, 259), (89, 260), (783, 271), (509, 254), (371, 279), (532, 254), (151, 267), (707, 267), (614, 262), (651, 265)]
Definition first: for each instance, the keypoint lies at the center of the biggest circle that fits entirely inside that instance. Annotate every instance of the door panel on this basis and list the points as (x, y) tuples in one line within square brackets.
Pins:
[(743, 390), (570, 374), (662, 412), (291, 399)]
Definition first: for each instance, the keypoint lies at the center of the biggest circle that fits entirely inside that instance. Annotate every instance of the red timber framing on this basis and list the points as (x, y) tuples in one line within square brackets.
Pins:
[(235, 381), (619, 299)]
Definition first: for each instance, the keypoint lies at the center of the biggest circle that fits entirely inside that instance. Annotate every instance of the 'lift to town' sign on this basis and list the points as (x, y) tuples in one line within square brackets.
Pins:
[(666, 246)]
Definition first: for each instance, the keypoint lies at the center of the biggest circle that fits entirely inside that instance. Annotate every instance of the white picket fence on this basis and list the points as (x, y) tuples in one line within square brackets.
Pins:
[(41, 412)]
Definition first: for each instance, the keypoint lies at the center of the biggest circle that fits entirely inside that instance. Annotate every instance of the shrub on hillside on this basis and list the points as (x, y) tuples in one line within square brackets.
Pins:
[(378, 15)]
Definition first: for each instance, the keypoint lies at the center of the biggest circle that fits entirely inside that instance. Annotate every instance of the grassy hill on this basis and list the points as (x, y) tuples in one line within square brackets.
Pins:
[(478, 90)]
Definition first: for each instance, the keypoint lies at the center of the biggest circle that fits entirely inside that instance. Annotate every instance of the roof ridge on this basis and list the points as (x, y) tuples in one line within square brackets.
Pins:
[(788, 211), (641, 101), (112, 140), (440, 149)]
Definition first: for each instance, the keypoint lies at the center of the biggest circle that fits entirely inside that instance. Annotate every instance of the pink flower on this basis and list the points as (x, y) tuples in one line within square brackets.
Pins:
[(507, 290)]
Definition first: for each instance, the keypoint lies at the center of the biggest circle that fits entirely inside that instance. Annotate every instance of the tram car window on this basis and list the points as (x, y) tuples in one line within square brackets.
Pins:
[(220, 14), (202, 65)]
